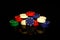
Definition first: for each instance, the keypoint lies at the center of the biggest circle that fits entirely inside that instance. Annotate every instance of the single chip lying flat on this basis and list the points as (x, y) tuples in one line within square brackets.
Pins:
[(41, 19), (23, 15), (23, 22), (30, 13), (18, 19), (14, 23), (44, 25)]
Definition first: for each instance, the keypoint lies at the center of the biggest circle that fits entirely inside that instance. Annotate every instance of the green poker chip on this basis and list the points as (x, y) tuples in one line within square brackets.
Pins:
[(14, 23)]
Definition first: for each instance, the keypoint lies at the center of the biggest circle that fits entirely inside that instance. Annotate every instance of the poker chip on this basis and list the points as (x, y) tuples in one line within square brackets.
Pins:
[(44, 25), (41, 19), (13, 23), (23, 22), (18, 19), (23, 15), (36, 24), (30, 13), (30, 21)]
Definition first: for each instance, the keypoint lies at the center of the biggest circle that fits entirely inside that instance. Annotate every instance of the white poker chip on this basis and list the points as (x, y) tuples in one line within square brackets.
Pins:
[(23, 15), (23, 22), (41, 19)]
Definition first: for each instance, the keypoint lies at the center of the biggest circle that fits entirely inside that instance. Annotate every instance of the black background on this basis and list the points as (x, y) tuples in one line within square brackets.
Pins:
[(10, 9)]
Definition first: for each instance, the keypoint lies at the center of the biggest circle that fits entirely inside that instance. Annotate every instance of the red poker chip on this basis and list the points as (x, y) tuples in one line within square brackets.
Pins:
[(30, 13), (18, 19), (36, 24)]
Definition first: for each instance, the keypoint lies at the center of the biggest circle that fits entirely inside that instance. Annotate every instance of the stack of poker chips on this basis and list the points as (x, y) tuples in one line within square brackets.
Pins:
[(30, 18)]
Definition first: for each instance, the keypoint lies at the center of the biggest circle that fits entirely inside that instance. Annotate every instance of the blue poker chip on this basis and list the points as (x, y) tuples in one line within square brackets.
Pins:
[(36, 15), (30, 21), (44, 25)]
